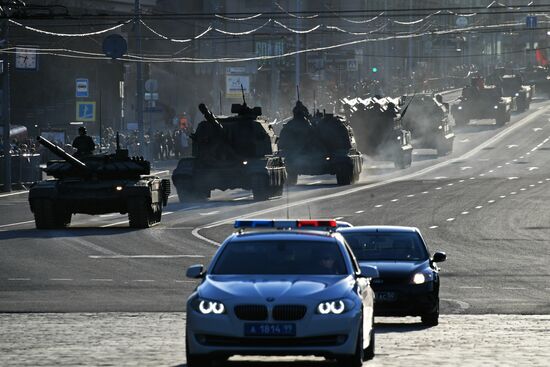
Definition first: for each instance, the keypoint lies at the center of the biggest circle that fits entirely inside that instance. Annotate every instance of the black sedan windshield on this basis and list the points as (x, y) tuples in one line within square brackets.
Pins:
[(386, 246), (280, 257)]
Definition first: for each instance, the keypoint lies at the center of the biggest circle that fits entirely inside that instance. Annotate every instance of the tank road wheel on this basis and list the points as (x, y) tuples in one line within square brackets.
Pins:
[(500, 119), (444, 146), (187, 192), (345, 175), (140, 213), (44, 214), (403, 159), (260, 188), (62, 218)]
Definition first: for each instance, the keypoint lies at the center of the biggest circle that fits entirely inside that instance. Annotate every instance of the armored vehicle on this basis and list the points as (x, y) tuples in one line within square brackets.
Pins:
[(479, 101), (427, 118), (232, 152), (97, 184), (514, 86), (378, 129), (322, 144)]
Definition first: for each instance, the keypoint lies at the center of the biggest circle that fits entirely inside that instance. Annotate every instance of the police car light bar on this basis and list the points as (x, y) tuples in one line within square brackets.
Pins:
[(285, 223)]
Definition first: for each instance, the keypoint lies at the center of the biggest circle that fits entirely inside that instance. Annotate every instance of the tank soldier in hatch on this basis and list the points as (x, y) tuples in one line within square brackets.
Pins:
[(83, 143)]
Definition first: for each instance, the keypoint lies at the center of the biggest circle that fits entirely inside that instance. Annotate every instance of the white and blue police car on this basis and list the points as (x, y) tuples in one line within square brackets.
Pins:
[(282, 292)]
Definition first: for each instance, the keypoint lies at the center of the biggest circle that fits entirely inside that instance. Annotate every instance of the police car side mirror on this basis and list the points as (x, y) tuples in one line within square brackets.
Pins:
[(195, 271), (368, 271), (439, 257)]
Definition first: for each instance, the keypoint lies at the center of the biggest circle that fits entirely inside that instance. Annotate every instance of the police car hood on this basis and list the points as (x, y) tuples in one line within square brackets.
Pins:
[(221, 287)]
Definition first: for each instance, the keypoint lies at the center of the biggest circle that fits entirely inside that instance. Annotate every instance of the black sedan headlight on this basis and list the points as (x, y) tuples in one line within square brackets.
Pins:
[(422, 277)]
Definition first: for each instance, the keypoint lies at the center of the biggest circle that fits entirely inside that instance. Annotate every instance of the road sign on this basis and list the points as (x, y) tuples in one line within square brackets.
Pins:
[(531, 21), (151, 85), (85, 111), (461, 21), (233, 85), (352, 64), (82, 88)]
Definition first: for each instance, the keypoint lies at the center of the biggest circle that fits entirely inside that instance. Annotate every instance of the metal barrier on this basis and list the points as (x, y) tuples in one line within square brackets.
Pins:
[(25, 169)]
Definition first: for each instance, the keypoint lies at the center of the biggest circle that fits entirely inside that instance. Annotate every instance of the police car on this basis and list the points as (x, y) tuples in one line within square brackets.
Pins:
[(282, 292)]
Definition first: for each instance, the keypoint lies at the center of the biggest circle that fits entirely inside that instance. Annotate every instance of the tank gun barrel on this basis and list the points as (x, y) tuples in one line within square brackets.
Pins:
[(209, 116), (61, 153)]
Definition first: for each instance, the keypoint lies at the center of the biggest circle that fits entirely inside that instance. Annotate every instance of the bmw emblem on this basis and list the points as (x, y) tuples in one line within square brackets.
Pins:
[(270, 299)]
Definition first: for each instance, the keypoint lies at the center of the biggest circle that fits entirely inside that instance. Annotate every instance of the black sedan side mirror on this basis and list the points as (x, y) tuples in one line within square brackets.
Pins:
[(439, 257), (195, 271), (368, 271)]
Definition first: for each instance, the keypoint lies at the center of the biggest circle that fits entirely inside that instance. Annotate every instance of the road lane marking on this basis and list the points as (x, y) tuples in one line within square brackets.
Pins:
[(315, 183), (143, 280), (465, 168), (479, 206), (433, 227), (512, 146), (450, 219), (101, 280), (533, 168), (532, 185), (441, 177), (513, 193), (425, 192), (522, 189), (465, 213), (513, 288), (210, 213), (469, 287), (378, 206), (16, 224), (519, 124), (14, 193), (394, 200), (143, 256), (359, 211), (438, 188), (461, 181), (490, 201), (185, 281), (450, 184), (61, 280), (513, 178), (502, 196), (410, 196), (19, 279)]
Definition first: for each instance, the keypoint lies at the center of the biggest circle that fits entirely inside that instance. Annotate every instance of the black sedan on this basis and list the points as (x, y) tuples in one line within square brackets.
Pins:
[(409, 277)]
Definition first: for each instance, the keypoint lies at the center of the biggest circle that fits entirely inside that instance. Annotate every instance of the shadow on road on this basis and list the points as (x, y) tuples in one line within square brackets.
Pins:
[(391, 327), (63, 233), (260, 363)]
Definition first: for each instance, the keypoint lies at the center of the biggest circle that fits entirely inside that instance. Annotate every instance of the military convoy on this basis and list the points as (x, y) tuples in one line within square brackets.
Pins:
[(319, 144), (539, 77), (479, 101), (97, 184), (514, 86), (427, 118), (230, 152), (378, 129)]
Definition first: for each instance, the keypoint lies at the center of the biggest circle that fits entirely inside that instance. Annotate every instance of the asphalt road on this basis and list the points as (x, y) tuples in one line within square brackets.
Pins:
[(485, 205)]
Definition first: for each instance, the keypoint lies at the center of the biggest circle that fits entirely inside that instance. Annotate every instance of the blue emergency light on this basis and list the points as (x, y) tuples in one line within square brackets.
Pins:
[(285, 223)]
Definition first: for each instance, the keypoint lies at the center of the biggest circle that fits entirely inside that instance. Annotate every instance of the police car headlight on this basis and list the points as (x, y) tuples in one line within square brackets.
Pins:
[(421, 278), (207, 307), (334, 307)]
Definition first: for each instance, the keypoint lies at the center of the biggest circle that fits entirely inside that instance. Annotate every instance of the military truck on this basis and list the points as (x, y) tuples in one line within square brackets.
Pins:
[(97, 184), (479, 101), (319, 145), (538, 76), (230, 152), (427, 118), (378, 129)]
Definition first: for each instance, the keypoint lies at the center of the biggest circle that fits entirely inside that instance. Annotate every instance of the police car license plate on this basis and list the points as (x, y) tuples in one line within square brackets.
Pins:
[(385, 296), (262, 329)]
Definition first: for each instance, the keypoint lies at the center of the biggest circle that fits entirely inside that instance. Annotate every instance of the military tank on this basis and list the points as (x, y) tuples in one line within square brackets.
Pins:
[(514, 86), (378, 129), (538, 76), (427, 118), (230, 152), (318, 145), (97, 184), (479, 101)]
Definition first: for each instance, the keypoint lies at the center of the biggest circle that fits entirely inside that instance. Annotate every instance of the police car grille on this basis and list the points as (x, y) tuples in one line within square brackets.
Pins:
[(289, 312), (251, 312), (318, 341)]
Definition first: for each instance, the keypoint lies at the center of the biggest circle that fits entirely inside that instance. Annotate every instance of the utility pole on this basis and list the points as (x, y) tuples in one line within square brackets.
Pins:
[(6, 112), (139, 79)]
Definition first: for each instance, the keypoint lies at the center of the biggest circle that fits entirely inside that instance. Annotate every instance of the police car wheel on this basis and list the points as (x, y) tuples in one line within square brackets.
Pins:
[(355, 360), (194, 360)]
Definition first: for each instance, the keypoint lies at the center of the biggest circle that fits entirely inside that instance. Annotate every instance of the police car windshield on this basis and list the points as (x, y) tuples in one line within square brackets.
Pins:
[(280, 257), (386, 246)]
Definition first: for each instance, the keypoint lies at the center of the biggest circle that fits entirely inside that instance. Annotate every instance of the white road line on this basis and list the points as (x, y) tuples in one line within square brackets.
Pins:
[(499, 166), (242, 198), (16, 224), (502, 196), (472, 178), (61, 280), (469, 287), (359, 211), (101, 280), (491, 171), (490, 201), (461, 181), (338, 218), (522, 189), (450, 184), (425, 192), (210, 213), (533, 168), (19, 279), (450, 219), (508, 163), (540, 182), (167, 213), (441, 177), (143, 280), (114, 224), (433, 227), (513, 178), (394, 200), (519, 124), (532, 185), (465, 213), (13, 193), (481, 174), (184, 281), (479, 206), (513, 193), (378, 206), (143, 256), (438, 188), (465, 168), (410, 196), (315, 182), (513, 288), (512, 146)]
